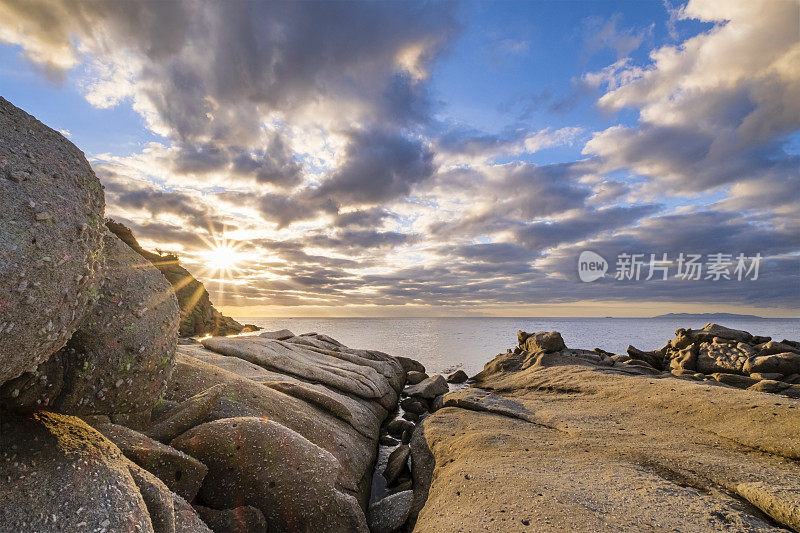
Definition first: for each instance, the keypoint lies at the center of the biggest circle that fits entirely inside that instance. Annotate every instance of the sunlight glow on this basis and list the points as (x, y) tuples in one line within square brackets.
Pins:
[(222, 257)]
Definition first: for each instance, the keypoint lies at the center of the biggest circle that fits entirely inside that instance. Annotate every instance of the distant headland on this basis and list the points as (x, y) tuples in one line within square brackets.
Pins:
[(707, 316)]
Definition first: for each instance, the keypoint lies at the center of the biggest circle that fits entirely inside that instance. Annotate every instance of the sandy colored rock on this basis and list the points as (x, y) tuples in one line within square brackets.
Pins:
[(254, 461), (780, 363), (51, 239), (121, 357), (60, 475), (544, 341), (181, 473), (598, 449)]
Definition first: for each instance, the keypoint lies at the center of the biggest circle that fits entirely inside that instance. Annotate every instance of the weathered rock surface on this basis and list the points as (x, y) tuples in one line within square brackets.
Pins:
[(61, 475), (605, 447), (459, 376), (541, 341), (429, 388), (413, 377), (198, 314), (242, 519), (121, 357), (51, 239), (396, 464), (389, 514), (181, 473), (257, 462)]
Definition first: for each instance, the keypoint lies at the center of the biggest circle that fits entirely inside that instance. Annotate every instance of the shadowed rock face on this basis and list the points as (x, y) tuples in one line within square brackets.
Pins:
[(575, 441), (51, 218), (198, 315)]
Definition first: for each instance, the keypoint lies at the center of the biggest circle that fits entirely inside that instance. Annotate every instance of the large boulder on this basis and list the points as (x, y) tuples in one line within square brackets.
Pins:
[(780, 363), (543, 341), (198, 314), (389, 514), (255, 461), (58, 474), (429, 388), (51, 238), (121, 357)]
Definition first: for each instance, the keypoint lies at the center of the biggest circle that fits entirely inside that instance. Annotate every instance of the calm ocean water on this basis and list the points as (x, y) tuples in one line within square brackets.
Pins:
[(445, 344)]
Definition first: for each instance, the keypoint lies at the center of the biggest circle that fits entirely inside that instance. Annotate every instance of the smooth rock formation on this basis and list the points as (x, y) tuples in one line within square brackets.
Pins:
[(389, 514), (257, 462), (541, 341), (602, 446), (121, 357), (51, 239), (413, 377), (428, 388), (198, 314)]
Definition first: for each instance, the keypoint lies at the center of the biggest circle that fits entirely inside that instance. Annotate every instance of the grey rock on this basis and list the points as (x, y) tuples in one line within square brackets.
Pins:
[(59, 475), (413, 405), (242, 519), (410, 365), (429, 388), (279, 335), (413, 377), (389, 514), (186, 415), (398, 426), (181, 473), (121, 357), (51, 267), (257, 462), (459, 376), (396, 463)]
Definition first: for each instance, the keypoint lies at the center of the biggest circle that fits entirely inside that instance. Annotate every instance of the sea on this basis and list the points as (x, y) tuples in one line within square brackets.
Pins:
[(444, 345)]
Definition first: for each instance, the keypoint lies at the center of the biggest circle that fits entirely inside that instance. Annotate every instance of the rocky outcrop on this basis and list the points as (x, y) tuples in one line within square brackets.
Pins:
[(198, 314), (602, 442), (51, 241)]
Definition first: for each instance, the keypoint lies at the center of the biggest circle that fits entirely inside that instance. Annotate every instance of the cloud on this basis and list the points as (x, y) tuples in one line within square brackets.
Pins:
[(601, 34)]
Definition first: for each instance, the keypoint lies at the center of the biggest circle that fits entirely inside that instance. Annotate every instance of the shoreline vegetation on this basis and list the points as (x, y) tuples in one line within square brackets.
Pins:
[(112, 418)]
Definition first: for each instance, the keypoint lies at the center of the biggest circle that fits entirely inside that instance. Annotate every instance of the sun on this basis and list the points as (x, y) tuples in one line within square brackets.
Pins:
[(223, 257)]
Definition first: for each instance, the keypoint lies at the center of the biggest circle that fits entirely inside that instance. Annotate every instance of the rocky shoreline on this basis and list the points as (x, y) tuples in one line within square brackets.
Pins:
[(114, 419)]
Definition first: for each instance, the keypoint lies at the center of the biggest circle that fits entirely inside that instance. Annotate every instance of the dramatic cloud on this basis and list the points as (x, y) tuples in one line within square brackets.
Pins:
[(313, 139)]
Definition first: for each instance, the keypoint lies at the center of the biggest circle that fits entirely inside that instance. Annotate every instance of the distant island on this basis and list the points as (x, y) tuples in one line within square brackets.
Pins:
[(707, 316)]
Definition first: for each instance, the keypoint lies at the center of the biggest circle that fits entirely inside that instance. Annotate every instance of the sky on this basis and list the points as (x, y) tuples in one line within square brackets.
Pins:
[(434, 158)]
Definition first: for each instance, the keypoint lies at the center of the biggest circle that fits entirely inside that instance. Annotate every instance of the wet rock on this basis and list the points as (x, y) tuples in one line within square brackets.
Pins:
[(428, 389), (257, 462), (389, 514), (120, 358), (398, 426), (386, 440), (413, 377), (459, 376), (51, 266), (396, 464), (413, 405), (243, 519)]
